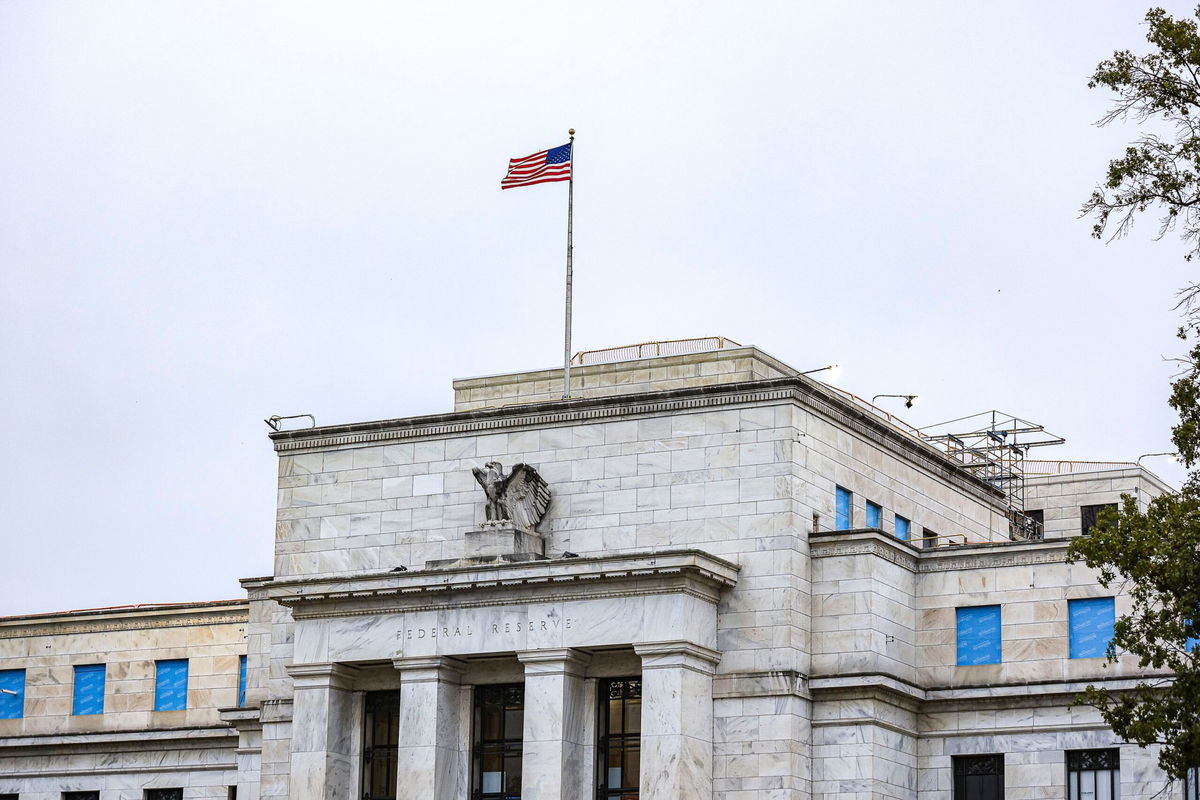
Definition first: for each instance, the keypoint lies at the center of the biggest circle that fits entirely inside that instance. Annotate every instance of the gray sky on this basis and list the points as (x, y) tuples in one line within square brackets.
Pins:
[(213, 212)]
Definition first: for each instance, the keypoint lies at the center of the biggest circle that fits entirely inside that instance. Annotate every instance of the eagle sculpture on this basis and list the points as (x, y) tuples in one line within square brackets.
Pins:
[(520, 498)]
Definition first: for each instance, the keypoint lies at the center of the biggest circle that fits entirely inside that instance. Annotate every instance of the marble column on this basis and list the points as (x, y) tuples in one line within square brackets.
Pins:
[(557, 750), (677, 720), (325, 719), (432, 761)]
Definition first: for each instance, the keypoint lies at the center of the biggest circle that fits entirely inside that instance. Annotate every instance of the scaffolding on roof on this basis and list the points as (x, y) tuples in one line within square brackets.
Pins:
[(992, 445)]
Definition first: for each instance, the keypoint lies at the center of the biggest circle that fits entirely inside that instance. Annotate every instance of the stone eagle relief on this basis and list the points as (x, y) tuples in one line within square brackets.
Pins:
[(519, 499)]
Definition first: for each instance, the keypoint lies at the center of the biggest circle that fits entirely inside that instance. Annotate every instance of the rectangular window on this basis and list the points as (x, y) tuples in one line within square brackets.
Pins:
[(232, 793), (241, 681), (874, 515), (979, 777), (88, 697), (1091, 626), (164, 794), (842, 512), (1094, 774), (902, 528), (620, 739), (1191, 784), (496, 756), (1088, 514), (381, 741), (170, 688), (12, 693), (978, 635), (95, 795)]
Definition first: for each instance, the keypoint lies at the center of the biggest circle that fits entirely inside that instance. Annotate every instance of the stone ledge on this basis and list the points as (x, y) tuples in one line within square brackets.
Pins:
[(692, 571), (986, 555), (185, 738)]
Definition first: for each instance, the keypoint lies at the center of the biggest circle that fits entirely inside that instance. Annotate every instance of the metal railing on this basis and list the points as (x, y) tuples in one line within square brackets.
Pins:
[(1068, 467), (668, 347)]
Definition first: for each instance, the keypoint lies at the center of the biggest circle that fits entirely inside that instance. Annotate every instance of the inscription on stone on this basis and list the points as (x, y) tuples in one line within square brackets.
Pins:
[(499, 628)]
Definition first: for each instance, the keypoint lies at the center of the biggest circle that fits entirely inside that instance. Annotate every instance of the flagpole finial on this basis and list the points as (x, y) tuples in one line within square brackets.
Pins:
[(571, 131)]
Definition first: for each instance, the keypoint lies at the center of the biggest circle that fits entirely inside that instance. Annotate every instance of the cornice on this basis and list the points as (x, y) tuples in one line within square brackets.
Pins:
[(829, 544), (70, 624), (691, 572), (803, 391)]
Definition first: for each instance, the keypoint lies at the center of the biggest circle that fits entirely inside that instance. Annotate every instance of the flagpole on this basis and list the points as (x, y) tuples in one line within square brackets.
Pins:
[(570, 233)]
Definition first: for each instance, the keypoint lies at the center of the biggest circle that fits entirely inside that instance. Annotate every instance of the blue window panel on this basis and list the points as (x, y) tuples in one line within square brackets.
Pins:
[(12, 693), (842, 517), (978, 635), (241, 681), (89, 690), (1091, 622), (901, 528), (170, 685), (874, 515)]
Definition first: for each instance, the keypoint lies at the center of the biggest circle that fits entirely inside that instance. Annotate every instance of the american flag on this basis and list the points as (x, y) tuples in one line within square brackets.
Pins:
[(541, 167)]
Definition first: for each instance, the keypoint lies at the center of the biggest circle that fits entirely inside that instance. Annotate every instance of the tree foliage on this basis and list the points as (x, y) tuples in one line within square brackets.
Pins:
[(1154, 556), (1156, 171)]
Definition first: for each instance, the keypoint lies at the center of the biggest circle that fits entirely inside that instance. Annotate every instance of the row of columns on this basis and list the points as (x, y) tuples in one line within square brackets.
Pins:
[(559, 727)]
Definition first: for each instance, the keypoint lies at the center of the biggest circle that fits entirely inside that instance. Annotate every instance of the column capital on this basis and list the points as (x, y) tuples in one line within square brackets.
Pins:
[(322, 676), (558, 661), (677, 654), (423, 669)]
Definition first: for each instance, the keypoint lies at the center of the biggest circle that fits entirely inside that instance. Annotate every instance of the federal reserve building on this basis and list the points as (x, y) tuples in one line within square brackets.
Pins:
[(706, 575)]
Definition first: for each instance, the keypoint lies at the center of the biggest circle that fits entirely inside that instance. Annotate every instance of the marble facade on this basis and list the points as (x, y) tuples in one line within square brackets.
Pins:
[(690, 544)]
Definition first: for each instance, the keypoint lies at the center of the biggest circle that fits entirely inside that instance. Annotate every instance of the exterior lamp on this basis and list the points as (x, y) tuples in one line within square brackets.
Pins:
[(910, 400), (834, 371), (1173, 456)]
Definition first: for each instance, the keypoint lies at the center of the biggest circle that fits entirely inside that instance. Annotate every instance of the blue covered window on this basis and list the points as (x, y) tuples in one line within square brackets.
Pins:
[(874, 515), (241, 681), (12, 693), (170, 685), (845, 500), (1091, 622), (902, 526), (89, 690), (978, 635)]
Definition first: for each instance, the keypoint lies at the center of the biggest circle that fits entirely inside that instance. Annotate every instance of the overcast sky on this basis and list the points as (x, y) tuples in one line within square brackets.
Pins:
[(215, 212)]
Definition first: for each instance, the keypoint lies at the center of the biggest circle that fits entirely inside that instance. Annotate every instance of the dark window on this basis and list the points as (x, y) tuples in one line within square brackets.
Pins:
[(81, 795), (1094, 774), (1088, 514), (8, 797), (381, 740), (620, 739), (496, 757), (979, 777), (164, 794), (233, 789)]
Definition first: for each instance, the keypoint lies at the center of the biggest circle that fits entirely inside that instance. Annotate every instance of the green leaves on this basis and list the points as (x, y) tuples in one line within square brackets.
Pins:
[(1154, 556), (1164, 87)]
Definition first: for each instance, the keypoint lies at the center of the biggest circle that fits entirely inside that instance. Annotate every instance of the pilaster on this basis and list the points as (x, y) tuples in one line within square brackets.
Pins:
[(677, 720), (558, 753), (325, 722), (432, 760)]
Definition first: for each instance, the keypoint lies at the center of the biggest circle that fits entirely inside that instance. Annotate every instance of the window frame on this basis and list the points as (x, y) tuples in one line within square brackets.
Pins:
[(374, 703), (970, 766), (82, 670), (1077, 766), (1093, 511), (976, 613), (170, 663), (17, 701), (876, 510), (1075, 648), (512, 698), (843, 517), (625, 740)]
